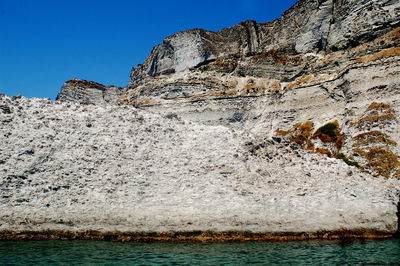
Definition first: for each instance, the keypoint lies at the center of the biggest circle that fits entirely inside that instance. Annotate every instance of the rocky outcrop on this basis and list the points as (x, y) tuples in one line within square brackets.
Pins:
[(356, 22), (309, 26), (89, 92), (309, 39)]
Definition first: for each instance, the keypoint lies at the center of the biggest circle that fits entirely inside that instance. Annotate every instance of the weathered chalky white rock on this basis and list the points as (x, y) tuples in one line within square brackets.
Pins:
[(76, 167), (221, 131)]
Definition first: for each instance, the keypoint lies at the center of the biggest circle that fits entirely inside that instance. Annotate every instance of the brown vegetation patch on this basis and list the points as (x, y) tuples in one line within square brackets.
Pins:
[(372, 137), (376, 105), (282, 132), (382, 161), (85, 84), (330, 133), (392, 37), (376, 114), (281, 59), (253, 88), (142, 101), (300, 133), (323, 151), (304, 129), (299, 82), (375, 145), (324, 137), (223, 63), (397, 174), (359, 151), (191, 236), (231, 92), (371, 119), (394, 51), (275, 91), (393, 33), (309, 145), (339, 141), (275, 85)]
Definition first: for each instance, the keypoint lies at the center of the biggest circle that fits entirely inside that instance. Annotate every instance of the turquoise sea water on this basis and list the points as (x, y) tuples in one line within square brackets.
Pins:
[(384, 252)]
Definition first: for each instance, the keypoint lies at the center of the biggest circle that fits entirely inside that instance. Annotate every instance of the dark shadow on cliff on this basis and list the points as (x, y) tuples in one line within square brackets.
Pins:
[(397, 234)]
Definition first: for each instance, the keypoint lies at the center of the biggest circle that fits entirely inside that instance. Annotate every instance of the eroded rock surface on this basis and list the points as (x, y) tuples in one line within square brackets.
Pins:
[(89, 92), (280, 127), (73, 167), (309, 26)]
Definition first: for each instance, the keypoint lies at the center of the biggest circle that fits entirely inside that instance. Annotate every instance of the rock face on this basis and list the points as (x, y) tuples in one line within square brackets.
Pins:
[(84, 167), (309, 26), (89, 92), (283, 127)]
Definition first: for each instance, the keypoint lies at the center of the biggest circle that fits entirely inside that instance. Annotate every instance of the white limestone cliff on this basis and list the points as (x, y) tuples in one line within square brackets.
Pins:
[(288, 127), (73, 167)]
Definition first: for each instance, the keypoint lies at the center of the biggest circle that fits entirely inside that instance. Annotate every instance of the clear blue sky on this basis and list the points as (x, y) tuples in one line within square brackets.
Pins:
[(43, 43)]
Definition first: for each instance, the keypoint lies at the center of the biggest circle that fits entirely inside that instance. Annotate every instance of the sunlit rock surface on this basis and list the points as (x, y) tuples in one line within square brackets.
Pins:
[(73, 167), (89, 92), (281, 127)]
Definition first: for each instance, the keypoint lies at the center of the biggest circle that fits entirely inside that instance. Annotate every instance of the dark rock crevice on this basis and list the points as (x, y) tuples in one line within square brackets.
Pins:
[(397, 234)]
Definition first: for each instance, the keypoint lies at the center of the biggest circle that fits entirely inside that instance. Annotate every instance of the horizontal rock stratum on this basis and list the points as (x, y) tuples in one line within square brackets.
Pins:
[(262, 131)]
